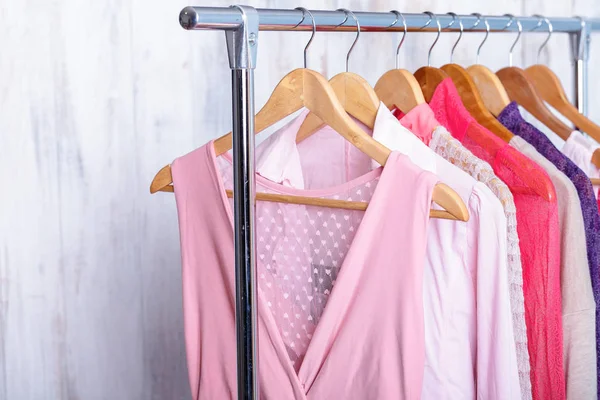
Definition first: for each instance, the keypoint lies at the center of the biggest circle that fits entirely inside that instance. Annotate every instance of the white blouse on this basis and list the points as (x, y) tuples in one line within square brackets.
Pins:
[(580, 150)]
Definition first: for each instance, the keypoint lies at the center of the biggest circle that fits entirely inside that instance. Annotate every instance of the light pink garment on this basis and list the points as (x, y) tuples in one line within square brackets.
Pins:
[(339, 316), (421, 121), (470, 351)]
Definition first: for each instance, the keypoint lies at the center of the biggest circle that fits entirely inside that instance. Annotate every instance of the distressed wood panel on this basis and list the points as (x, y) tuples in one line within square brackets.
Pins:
[(94, 98)]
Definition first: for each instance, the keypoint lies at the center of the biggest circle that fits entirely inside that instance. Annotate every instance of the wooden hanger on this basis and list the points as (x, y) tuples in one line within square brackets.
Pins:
[(355, 94), (490, 88), (551, 90), (521, 90), (398, 88), (306, 88)]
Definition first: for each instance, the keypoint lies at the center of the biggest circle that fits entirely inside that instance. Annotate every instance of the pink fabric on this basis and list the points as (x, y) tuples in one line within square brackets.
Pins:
[(339, 317), (420, 121), (537, 225), (469, 347)]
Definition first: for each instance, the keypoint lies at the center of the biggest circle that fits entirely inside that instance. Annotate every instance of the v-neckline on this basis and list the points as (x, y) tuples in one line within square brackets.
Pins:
[(339, 298)]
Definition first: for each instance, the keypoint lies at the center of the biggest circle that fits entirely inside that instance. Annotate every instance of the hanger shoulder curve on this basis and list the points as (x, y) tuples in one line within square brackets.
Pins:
[(447, 198), (547, 84), (163, 181), (429, 78), (471, 98), (398, 88), (521, 90), (355, 94), (285, 100), (551, 90), (492, 92)]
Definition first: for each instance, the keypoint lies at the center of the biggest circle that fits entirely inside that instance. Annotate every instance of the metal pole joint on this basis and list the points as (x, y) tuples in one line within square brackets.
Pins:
[(580, 44), (242, 43)]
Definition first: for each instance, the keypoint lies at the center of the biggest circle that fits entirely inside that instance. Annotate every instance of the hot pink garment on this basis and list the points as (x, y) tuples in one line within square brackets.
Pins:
[(420, 121), (338, 315), (537, 225)]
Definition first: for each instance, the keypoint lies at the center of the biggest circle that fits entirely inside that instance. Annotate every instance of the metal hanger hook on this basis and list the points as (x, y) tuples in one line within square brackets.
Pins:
[(550, 30), (462, 29), (439, 32), (520, 27), (399, 14), (314, 30), (348, 12), (487, 33)]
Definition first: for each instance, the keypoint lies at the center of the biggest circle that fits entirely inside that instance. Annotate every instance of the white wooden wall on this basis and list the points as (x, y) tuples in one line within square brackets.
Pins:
[(95, 97)]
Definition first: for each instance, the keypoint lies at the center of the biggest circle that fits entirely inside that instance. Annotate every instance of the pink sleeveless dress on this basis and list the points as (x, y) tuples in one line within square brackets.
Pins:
[(340, 292)]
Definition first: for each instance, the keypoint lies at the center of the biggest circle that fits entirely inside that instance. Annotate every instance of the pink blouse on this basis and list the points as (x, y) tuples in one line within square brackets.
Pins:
[(421, 120), (537, 225), (338, 316), (469, 346)]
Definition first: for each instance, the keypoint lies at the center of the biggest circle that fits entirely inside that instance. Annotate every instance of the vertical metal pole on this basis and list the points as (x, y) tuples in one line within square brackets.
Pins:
[(580, 43), (241, 45)]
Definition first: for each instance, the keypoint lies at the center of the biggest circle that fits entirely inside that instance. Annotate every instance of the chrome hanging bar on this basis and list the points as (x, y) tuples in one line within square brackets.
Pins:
[(225, 18)]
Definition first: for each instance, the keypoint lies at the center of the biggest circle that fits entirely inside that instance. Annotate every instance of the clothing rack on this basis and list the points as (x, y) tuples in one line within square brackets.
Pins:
[(241, 25)]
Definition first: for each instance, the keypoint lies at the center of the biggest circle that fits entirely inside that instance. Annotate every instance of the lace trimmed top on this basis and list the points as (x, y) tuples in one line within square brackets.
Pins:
[(537, 226), (422, 122), (452, 150)]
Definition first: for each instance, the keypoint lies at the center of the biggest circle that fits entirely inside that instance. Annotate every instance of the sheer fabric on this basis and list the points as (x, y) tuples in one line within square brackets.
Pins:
[(537, 226), (316, 300), (512, 119), (578, 305), (469, 345), (422, 122)]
